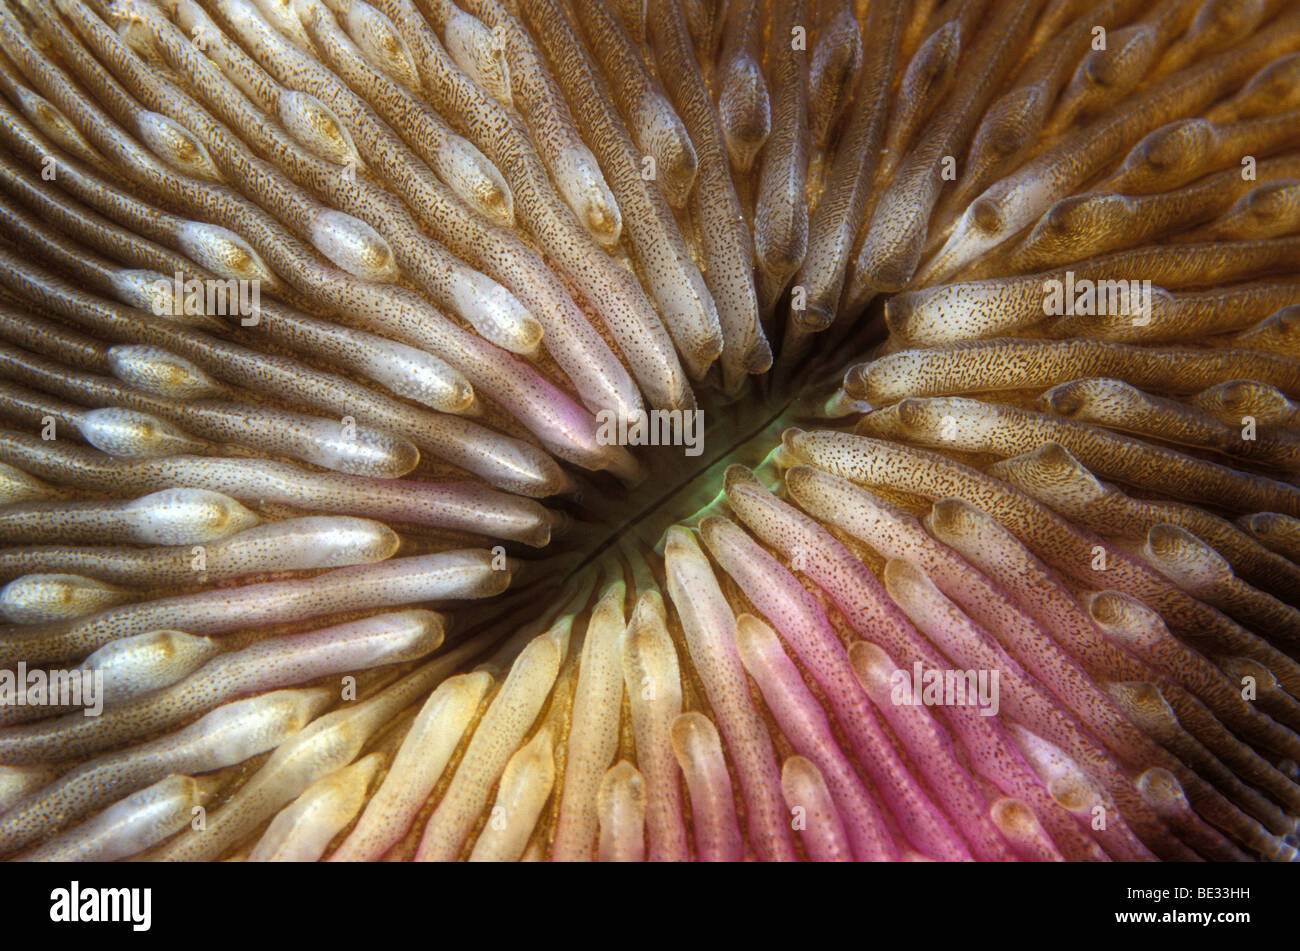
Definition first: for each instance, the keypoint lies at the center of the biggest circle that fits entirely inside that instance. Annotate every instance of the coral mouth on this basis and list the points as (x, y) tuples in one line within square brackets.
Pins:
[(680, 478)]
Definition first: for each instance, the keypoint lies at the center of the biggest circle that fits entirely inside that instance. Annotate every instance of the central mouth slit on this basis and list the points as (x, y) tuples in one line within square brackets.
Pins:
[(655, 509), (740, 431)]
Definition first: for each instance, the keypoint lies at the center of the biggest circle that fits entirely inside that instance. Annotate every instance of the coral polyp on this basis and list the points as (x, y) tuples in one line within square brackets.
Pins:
[(673, 430)]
